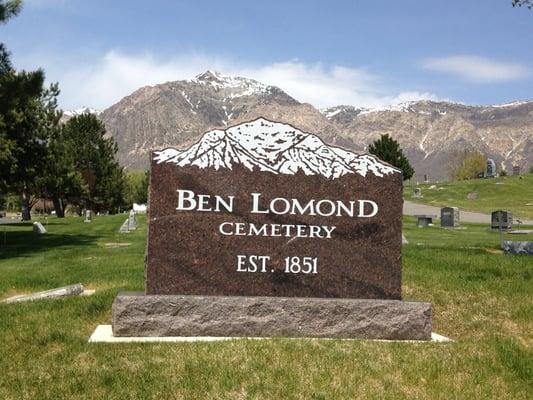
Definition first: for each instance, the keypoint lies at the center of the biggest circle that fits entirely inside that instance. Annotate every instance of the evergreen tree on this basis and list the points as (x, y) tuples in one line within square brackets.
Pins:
[(59, 181), (23, 132), (388, 150), (8, 9), (94, 158)]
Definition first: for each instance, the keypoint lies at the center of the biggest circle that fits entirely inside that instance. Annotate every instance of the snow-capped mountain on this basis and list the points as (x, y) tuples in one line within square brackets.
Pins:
[(430, 131), (274, 147), (80, 111), (177, 113)]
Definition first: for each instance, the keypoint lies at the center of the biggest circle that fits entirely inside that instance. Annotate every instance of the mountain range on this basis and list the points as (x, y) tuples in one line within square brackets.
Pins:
[(177, 114)]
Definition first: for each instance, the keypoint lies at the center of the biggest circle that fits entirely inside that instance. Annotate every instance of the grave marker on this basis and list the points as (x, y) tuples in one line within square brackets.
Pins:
[(262, 217), (449, 217), (501, 220), (491, 169)]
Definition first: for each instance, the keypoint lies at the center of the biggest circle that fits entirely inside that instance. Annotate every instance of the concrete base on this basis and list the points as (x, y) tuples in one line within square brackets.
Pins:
[(104, 334), (139, 315)]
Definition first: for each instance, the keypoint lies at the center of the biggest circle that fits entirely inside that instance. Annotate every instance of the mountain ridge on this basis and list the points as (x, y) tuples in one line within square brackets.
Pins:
[(177, 113)]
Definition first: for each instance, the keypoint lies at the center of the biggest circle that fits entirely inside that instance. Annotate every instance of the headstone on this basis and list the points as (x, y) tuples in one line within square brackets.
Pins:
[(125, 227), (426, 178), (516, 170), (501, 220), (471, 196), (417, 192), (264, 230), (517, 247), (88, 216), (491, 168), (449, 217), (38, 228), (404, 239), (424, 220), (71, 290), (132, 221)]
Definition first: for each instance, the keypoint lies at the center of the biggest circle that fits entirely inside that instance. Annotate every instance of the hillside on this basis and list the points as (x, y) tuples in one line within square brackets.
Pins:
[(503, 193)]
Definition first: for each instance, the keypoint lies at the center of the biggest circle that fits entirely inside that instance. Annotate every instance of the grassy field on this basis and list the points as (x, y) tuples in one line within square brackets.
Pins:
[(481, 298), (510, 193)]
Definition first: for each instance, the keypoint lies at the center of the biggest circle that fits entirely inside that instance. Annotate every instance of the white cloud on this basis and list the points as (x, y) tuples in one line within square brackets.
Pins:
[(477, 69), (102, 83)]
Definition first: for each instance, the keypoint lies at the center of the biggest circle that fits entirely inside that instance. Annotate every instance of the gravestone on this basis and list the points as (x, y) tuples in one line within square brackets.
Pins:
[(38, 228), (424, 220), (471, 196), (88, 216), (449, 217), (132, 221), (510, 247), (417, 192), (491, 169), (501, 219), (516, 170), (426, 178), (264, 230)]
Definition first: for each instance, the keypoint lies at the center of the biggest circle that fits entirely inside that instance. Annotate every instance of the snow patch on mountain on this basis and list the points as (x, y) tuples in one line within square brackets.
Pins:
[(80, 111), (275, 147), (238, 86)]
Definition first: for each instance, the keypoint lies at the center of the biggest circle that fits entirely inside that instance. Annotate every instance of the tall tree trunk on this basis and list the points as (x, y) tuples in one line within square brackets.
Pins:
[(25, 205), (59, 207)]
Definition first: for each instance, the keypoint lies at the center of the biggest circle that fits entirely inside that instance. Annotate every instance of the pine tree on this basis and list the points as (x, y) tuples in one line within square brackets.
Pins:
[(94, 158), (8, 9), (388, 150)]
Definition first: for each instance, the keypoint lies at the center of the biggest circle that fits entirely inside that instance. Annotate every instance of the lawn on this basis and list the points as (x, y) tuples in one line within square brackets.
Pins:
[(482, 299), (507, 192)]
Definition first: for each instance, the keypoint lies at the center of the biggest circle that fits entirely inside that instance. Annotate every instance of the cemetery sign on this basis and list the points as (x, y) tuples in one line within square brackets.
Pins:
[(262, 229)]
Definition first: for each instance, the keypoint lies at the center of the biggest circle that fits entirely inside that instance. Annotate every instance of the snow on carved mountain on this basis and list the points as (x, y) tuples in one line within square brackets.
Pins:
[(275, 147)]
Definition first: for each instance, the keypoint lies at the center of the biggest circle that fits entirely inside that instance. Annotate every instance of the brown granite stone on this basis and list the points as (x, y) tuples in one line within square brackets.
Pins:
[(188, 255)]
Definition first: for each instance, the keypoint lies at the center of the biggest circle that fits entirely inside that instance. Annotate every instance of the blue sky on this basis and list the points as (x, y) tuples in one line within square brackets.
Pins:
[(367, 53)]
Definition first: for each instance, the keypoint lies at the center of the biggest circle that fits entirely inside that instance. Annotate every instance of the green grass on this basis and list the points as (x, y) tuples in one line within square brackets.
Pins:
[(508, 193), (481, 298)]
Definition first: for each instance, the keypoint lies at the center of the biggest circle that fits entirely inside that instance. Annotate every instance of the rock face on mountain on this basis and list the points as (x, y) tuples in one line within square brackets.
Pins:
[(178, 113), (429, 131)]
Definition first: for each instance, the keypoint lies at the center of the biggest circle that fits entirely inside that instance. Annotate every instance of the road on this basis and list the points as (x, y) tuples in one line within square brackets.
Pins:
[(410, 208)]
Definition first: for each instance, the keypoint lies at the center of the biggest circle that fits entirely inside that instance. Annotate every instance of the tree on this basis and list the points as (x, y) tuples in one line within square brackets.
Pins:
[(388, 150), (136, 189), (24, 108), (94, 158), (9, 8), (466, 164), (60, 181), (24, 104), (525, 3)]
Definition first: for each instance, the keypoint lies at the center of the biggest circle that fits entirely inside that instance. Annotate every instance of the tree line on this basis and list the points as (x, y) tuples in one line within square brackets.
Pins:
[(72, 163)]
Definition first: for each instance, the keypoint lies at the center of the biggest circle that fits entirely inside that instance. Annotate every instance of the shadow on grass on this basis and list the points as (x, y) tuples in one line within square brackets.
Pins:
[(21, 243)]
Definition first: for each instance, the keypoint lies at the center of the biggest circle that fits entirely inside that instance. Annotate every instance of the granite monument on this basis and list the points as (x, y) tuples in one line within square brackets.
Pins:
[(264, 230)]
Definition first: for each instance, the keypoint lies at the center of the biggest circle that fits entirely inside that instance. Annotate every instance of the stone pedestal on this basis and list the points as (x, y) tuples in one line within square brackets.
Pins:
[(136, 314)]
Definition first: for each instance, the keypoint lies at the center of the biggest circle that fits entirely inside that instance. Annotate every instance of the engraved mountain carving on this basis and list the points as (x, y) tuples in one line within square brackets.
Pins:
[(275, 147)]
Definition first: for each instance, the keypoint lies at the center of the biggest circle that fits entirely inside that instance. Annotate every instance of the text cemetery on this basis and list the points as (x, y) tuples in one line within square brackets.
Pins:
[(190, 201)]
